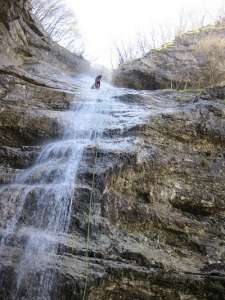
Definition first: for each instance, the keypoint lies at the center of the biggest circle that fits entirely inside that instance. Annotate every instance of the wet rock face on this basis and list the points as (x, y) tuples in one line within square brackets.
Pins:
[(157, 220), (162, 211), (165, 211), (176, 65), (31, 106), (30, 96)]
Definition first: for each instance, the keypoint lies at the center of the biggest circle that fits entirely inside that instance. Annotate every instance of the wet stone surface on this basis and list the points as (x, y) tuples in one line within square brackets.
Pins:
[(157, 216)]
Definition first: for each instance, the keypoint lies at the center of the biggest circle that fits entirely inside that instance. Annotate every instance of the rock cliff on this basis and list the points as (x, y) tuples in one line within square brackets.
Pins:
[(23, 42), (158, 218), (175, 65)]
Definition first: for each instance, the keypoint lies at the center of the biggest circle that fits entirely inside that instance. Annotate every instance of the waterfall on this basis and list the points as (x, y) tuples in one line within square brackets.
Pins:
[(43, 195)]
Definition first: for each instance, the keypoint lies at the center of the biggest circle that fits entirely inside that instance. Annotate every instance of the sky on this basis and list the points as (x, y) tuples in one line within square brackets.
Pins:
[(106, 23)]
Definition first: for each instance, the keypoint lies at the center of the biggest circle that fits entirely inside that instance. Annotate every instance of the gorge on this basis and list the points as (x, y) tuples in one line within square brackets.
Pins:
[(109, 194)]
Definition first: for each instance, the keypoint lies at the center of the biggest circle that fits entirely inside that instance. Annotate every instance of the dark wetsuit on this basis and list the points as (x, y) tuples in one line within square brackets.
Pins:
[(97, 83)]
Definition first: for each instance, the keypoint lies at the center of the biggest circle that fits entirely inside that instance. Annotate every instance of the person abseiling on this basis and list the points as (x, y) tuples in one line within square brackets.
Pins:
[(97, 83)]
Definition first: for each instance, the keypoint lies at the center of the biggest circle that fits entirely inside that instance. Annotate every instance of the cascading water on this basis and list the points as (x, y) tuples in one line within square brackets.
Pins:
[(43, 194)]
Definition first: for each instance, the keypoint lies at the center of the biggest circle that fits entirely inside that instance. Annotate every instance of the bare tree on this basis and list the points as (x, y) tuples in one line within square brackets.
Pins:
[(125, 52), (163, 34), (138, 47), (192, 20), (142, 44), (211, 55), (220, 18), (59, 22)]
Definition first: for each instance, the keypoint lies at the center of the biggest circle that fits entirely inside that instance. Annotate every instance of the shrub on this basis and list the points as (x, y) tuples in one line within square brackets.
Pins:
[(210, 54)]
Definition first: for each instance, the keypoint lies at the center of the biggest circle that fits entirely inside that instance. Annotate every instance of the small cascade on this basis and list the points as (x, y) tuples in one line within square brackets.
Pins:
[(42, 197)]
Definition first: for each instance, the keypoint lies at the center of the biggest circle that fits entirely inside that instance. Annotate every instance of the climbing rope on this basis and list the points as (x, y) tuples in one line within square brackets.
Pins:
[(89, 223)]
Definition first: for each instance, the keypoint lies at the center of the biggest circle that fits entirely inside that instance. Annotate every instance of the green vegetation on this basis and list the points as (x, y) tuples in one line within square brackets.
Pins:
[(165, 46), (191, 90)]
